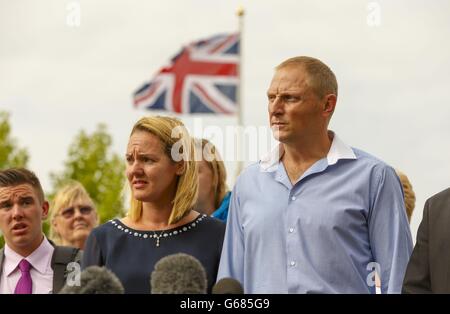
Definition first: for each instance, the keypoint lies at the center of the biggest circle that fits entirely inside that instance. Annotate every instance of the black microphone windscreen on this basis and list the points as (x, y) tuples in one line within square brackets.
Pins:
[(227, 286), (178, 273), (95, 280)]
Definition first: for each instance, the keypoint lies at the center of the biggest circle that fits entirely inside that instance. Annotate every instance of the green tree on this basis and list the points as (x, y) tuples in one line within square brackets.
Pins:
[(10, 154), (91, 162)]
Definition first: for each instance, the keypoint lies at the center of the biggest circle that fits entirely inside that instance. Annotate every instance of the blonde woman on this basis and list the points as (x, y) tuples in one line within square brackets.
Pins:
[(162, 173), (213, 194), (73, 216)]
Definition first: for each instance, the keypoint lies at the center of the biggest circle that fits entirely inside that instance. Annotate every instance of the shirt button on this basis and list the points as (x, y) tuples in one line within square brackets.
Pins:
[(292, 263), (291, 230), (293, 198)]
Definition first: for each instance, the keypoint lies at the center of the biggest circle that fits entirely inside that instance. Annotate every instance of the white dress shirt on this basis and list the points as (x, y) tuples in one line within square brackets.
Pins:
[(41, 270)]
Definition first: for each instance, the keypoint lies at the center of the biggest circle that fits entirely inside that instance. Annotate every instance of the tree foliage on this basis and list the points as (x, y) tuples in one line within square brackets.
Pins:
[(10, 154), (91, 162)]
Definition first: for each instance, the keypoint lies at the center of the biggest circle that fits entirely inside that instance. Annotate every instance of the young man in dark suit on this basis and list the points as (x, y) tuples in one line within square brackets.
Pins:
[(29, 262), (428, 270)]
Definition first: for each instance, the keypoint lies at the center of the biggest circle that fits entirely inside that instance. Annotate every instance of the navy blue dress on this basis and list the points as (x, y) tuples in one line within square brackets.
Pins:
[(132, 254)]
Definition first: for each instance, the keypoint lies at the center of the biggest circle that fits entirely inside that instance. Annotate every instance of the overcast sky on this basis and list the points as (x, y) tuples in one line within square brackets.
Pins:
[(393, 71)]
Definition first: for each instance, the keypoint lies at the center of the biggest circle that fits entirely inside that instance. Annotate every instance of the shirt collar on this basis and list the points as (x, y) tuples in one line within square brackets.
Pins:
[(40, 259), (338, 150)]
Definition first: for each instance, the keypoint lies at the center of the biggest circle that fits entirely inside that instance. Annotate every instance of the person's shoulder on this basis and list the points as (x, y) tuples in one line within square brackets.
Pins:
[(368, 159), (66, 254), (213, 225), (251, 169), (214, 229), (213, 222), (373, 165), (437, 209), (442, 197), (104, 229), (250, 173)]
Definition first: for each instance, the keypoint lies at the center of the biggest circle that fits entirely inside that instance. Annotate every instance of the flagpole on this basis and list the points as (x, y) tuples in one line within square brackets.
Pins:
[(239, 165)]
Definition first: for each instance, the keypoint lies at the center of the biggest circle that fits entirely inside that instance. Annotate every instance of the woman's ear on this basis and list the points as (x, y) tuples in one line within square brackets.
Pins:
[(54, 224), (97, 217), (180, 168)]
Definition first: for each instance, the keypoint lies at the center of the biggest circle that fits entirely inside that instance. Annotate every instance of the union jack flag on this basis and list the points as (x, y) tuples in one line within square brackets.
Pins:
[(202, 78)]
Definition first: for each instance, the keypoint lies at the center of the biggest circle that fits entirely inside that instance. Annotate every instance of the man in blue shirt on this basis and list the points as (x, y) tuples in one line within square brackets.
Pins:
[(315, 215)]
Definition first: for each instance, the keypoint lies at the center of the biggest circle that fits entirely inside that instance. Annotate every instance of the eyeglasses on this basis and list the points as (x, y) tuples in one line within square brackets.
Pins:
[(70, 212)]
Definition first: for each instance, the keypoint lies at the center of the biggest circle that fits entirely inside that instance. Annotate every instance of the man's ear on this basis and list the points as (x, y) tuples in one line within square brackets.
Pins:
[(329, 104), (45, 208)]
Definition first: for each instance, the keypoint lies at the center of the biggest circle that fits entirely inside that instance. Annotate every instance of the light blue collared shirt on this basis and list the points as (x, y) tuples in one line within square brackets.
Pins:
[(325, 234)]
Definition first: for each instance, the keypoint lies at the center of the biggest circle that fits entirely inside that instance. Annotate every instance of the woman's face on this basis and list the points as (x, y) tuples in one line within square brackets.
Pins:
[(151, 173), (205, 183), (74, 222)]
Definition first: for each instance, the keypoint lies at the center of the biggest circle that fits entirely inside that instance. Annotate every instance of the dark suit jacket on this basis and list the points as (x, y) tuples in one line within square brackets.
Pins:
[(61, 257), (428, 269)]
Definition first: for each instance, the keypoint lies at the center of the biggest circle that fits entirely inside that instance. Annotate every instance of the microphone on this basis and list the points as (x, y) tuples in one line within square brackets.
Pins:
[(227, 286), (95, 280), (177, 274)]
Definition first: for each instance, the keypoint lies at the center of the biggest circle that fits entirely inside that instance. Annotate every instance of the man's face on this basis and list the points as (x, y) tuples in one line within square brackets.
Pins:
[(21, 215), (295, 111)]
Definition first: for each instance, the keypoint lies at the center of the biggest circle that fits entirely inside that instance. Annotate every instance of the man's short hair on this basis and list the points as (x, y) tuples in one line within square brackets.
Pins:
[(16, 176), (320, 77)]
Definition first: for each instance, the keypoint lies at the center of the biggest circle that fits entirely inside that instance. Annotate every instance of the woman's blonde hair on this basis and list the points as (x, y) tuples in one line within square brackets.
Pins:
[(65, 197), (217, 166), (179, 147), (409, 195)]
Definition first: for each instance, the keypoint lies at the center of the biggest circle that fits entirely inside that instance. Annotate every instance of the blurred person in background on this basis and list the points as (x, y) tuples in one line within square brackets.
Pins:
[(163, 177), (213, 194), (73, 215)]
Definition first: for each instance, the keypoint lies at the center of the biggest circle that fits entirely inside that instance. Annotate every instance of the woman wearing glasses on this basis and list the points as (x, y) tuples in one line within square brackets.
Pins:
[(73, 216)]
